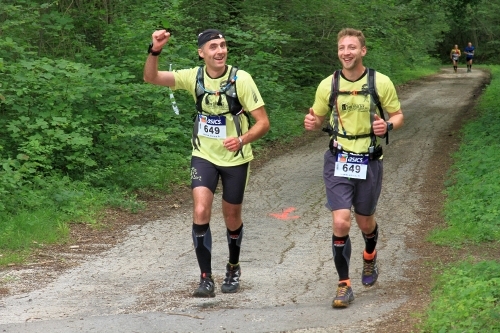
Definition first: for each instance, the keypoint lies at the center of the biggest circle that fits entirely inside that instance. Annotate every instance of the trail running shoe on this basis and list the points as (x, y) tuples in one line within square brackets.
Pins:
[(370, 271), (231, 283), (206, 287), (343, 297)]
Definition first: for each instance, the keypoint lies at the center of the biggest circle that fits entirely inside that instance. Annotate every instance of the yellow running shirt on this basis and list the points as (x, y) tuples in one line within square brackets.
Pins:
[(354, 110), (211, 147)]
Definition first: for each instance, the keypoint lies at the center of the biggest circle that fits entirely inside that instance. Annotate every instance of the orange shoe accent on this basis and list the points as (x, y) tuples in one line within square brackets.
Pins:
[(368, 256), (347, 282)]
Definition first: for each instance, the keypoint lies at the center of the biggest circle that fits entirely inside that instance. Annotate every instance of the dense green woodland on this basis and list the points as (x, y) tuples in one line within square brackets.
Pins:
[(76, 115)]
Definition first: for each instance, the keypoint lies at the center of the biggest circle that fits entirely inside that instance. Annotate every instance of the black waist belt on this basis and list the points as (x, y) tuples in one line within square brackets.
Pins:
[(375, 155), (353, 137)]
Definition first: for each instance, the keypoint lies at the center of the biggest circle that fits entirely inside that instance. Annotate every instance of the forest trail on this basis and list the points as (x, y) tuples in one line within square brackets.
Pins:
[(143, 283)]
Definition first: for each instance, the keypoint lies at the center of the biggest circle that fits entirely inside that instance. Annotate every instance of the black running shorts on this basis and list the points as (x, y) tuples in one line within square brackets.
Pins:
[(234, 179)]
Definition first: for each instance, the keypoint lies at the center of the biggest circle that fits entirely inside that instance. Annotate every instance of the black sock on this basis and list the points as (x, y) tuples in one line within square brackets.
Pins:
[(234, 242), (341, 247), (202, 240), (371, 240)]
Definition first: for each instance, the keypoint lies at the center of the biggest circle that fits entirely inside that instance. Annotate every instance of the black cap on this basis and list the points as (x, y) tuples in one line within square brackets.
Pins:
[(208, 35)]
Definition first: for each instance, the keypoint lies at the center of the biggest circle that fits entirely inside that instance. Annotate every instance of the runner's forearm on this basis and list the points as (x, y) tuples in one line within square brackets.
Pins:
[(397, 119), (258, 130), (151, 69), (154, 76)]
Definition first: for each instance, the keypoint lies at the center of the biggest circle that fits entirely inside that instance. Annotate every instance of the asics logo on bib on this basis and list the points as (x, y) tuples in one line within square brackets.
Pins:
[(355, 159), (214, 121)]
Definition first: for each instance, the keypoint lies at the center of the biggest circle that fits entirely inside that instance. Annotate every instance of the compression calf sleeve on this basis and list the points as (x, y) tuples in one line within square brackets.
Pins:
[(341, 247), (371, 240), (234, 239), (202, 241)]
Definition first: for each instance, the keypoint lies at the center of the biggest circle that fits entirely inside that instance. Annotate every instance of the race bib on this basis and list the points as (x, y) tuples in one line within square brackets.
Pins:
[(212, 126), (351, 165)]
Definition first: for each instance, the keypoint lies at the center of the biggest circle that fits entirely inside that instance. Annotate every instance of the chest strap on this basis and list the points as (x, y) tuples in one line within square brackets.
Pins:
[(370, 90), (230, 93)]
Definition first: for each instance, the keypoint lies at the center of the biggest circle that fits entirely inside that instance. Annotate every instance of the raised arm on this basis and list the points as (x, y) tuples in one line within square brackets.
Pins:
[(151, 73)]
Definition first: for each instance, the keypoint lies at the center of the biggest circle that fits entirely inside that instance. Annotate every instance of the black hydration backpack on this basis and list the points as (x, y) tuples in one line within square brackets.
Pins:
[(370, 90), (234, 105)]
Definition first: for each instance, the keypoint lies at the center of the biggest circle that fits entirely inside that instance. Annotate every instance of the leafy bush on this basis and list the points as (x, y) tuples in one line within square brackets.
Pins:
[(70, 118)]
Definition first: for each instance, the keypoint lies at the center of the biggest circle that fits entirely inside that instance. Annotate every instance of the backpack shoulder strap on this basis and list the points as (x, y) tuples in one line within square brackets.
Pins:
[(335, 89), (199, 88), (372, 87), (231, 90), (334, 92), (232, 74)]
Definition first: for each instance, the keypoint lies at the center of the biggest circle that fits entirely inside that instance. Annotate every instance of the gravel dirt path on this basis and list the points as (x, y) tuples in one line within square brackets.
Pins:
[(137, 274)]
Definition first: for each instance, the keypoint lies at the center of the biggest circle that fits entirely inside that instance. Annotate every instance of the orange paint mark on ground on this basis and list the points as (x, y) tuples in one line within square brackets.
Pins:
[(285, 214)]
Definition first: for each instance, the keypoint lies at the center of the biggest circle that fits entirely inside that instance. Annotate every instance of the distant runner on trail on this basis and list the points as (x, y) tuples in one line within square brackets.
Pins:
[(469, 55), (454, 55), (353, 165), (225, 99)]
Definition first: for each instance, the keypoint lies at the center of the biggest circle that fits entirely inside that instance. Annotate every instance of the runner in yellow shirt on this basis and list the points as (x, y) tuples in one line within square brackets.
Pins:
[(353, 166), (221, 144)]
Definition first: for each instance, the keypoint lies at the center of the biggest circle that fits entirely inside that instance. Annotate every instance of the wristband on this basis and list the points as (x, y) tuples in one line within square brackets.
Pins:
[(153, 53)]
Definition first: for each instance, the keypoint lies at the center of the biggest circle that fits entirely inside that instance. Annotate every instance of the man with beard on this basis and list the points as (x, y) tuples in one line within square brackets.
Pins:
[(221, 144), (353, 165)]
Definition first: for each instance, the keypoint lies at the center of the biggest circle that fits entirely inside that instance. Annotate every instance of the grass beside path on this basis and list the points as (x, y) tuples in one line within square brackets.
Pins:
[(466, 295)]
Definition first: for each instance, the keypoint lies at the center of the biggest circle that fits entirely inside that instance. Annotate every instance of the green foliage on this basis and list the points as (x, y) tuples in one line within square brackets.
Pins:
[(37, 212), (475, 21), (466, 299), (65, 116), (18, 232), (395, 26), (169, 169), (8, 257), (287, 129), (472, 208), (409, 74)]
